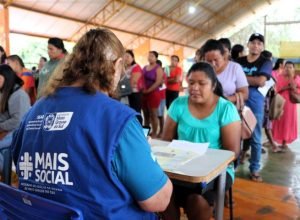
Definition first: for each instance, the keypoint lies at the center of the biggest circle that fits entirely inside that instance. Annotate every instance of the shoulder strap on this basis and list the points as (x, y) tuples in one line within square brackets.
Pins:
[(239, 102)]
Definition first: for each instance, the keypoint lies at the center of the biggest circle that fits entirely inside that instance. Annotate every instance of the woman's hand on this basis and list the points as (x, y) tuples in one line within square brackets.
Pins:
[(146, 91), (293, 86)]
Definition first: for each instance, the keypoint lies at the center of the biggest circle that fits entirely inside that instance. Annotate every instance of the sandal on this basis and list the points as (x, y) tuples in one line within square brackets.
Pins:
[(276, 149), (255, 177), (283, 148)]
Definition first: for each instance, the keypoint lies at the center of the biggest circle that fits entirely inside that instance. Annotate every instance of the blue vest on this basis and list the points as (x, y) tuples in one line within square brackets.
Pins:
[(64, 151)]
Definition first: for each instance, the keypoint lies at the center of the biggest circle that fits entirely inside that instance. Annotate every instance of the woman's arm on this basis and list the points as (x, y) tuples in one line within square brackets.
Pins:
[(135, 76), (170, 129), (18, 105), (143, 176), (158, 81), (244, 91), (283, 88), (231, 137)]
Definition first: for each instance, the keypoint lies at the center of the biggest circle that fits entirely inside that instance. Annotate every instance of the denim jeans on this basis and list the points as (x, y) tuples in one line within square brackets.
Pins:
[(255, 143), (5, 142)]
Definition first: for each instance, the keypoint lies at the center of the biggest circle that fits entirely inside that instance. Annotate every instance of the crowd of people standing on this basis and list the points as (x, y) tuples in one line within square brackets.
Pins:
[(84, 85)]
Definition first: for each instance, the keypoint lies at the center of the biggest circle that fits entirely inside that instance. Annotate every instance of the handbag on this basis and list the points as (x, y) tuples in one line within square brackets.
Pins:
[(124, 87), (247, 117), (276, 105)]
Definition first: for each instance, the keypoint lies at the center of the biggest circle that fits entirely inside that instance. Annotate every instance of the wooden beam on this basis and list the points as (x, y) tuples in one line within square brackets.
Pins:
[(161, 22), (100, 18), (282, 22), (4, 26), (226, 11), (96, 25), (216, 14), (170, 16), (35, 35)]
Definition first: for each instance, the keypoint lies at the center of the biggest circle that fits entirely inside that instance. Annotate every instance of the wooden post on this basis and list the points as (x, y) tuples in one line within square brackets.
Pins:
[(141, 53), (4, 29)]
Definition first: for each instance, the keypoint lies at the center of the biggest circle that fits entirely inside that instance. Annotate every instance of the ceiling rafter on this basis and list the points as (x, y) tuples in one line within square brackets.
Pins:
[(226, 11), (247, 4), (136, 41), (170, 16), (7, 3), (95, 25), (101, 17), (216, 14), (269, 1), (163, 22)]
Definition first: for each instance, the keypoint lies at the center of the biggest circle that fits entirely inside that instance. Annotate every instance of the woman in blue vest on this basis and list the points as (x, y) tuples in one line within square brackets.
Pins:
[(202, 116), (80, 147)]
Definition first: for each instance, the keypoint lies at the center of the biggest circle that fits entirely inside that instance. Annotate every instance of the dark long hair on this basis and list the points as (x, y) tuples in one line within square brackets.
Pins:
[(130, 52), (212, 44), (210, 73), (10, 81), (58, 43), (236, 49), (277, 64), (3, 57)]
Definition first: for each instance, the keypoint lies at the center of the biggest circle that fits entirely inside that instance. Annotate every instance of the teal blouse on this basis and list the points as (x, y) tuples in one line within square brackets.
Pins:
[(203, 130)]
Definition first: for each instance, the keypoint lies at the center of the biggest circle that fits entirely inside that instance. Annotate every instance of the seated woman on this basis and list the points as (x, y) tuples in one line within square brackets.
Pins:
[(14, 103), (203, 116), (80, 142)]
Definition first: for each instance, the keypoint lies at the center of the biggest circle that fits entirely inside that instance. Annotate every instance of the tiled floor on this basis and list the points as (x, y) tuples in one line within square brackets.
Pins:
[(279, 196)]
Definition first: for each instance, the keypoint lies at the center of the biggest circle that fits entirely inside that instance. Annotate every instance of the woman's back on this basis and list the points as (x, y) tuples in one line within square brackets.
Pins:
[(70, 139)]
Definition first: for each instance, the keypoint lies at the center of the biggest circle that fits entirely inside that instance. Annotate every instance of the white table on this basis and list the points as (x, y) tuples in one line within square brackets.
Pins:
[(203, 169)]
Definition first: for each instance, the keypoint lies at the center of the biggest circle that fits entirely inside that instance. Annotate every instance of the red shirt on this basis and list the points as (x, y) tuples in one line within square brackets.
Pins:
[(162, 89), (138, 70), (29, 83), (176, 72)]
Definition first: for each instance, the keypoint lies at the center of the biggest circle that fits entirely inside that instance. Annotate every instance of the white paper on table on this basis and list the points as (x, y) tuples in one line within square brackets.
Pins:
[(170, 158), (198, 148), (264, 90)]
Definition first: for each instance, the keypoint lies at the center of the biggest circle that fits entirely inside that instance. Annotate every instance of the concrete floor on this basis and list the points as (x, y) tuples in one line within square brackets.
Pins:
[(280, 168)]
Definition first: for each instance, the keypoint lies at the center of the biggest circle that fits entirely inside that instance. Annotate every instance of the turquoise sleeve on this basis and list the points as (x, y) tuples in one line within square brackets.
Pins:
[(229, 115), (134, 164), (175, 109)]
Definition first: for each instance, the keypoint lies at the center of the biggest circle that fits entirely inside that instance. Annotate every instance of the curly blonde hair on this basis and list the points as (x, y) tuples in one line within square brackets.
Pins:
[(91, 62)]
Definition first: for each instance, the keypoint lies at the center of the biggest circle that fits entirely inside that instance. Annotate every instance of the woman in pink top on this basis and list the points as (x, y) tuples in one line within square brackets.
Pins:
[(268, 124), (285, 129), (278, 69)]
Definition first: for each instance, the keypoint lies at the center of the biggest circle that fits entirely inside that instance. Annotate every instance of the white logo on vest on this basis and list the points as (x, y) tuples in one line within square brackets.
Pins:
[(57, 121), (51, 168), (26, 166)]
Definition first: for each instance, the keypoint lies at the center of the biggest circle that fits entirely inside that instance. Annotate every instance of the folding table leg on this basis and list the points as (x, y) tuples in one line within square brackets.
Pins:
[(220, 195)]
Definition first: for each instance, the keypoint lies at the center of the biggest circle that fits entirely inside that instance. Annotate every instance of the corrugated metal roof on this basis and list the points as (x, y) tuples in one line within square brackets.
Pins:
[(165, 21)]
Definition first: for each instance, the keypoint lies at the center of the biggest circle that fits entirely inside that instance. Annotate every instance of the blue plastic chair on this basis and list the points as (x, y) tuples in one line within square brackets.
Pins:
[(16, 204)]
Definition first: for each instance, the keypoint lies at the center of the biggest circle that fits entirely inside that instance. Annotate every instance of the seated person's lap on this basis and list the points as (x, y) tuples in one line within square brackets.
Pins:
[(209, 193)]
